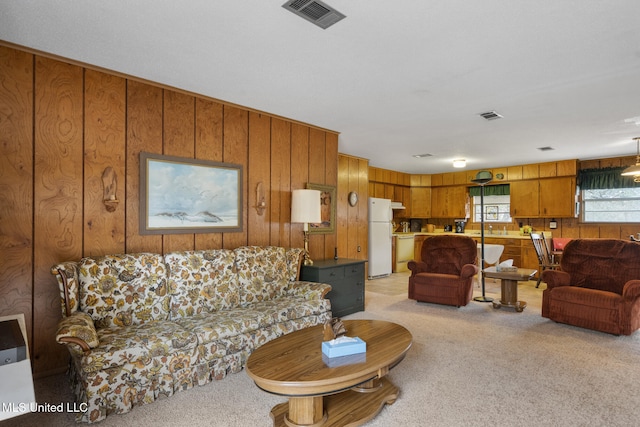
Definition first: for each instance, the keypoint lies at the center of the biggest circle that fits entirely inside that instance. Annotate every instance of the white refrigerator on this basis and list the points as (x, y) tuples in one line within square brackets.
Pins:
[(380, 218)]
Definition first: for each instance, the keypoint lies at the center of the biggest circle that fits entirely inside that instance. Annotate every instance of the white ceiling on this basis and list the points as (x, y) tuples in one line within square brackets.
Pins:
[(395, 78)]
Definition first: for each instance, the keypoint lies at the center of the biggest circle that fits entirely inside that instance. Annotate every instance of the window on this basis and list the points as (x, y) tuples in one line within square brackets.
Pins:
[(611, 205), (496, 209), (607, 196)]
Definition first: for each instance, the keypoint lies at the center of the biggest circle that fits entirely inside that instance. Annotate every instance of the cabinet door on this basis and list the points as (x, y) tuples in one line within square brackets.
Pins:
[(421, 202), (456, 199), (439, 202), (557, 197), (448, 202), (524, 199)]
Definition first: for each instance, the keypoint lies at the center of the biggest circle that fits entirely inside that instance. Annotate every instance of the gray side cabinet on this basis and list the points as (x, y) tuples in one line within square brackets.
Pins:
[(346, 277)]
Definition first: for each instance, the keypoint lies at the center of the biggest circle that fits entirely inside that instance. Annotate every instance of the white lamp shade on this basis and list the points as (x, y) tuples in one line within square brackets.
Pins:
[(305, 206)]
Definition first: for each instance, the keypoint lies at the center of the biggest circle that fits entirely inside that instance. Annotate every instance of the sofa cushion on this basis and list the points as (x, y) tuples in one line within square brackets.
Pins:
[(227, 331), (202, 281), (137, 344), (587, 297), (263, 273), (209, 327), (124, 290), (285, 309)]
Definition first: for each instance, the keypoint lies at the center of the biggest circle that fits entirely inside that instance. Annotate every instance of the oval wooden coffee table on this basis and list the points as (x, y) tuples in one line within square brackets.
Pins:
[(349, 394)]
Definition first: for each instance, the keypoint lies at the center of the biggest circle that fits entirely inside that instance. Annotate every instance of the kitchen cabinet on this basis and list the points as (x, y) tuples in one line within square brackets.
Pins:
[(448, 202), (346, 277), (420, 202), (512, 248), (544, 198), (524, 199), (418, 240), (557, 197)]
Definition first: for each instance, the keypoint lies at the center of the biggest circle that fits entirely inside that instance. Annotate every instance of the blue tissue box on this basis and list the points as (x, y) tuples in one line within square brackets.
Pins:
[(352, 359), (330, 349)]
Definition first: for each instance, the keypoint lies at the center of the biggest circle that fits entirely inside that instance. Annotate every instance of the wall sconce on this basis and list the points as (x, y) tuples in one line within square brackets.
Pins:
[(305, 209), (109, 187), (261, 204)]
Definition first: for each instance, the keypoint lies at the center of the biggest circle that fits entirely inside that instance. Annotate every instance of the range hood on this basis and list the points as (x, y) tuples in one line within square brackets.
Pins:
[(397, 205)]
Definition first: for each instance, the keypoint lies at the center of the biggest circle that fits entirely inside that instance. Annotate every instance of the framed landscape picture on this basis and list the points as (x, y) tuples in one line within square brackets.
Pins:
[(182, 195)]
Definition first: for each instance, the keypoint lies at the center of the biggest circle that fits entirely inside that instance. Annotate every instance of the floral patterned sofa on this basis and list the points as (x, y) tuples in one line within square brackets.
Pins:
[(142, 326)]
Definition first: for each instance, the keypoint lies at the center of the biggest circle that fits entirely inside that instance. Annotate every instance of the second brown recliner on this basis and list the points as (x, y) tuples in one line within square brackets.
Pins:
[(444, 274)]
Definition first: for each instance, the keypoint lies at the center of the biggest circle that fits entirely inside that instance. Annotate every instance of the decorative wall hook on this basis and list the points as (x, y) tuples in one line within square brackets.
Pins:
[(261, 204), (110, 185)]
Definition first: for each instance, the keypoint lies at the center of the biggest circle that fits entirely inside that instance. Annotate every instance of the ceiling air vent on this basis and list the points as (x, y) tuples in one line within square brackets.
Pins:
[(315, 11), (546, 148), (491, 115)]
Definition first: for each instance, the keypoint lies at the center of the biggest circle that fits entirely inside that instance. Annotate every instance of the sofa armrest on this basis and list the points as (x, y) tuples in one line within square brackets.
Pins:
[(76, 331), (417, 267), (555, 278), (631, 289), (308, 290), (468, 270), (66, 274)]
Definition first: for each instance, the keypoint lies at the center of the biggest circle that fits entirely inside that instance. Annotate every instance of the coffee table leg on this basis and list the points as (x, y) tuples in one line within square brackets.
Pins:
[(305, 411), (509, 295), (350, 407)]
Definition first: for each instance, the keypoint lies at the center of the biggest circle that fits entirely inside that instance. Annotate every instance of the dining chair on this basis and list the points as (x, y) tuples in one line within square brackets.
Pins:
[(557, 247), (545, 260)]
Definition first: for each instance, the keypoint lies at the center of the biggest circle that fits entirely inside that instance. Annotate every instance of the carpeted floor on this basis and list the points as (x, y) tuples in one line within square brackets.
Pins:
[(468, 366)]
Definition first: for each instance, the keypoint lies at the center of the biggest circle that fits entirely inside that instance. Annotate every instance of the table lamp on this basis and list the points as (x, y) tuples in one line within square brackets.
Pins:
[(305, 209)]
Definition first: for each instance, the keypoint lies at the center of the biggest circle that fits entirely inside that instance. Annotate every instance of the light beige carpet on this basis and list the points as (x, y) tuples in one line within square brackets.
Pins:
[(472, 366)]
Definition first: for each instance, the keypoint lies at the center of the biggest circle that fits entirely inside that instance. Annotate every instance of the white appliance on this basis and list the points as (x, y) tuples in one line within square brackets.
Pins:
[(380, 217), (404, 251)]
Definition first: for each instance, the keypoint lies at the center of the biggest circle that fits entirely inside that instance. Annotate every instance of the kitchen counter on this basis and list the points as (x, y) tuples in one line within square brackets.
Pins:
[(516, 247), (494, 235)]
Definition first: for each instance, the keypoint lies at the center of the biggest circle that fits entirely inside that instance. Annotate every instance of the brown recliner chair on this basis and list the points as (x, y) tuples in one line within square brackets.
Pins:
[(445, 273), (597, 288)]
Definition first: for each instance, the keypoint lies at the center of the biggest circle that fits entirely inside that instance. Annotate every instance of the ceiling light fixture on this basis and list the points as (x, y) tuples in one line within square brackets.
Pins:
[(635, 169), (459, 163)]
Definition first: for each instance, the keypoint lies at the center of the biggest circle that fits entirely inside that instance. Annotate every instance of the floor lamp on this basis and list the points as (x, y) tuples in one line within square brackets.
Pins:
[(305, 209), (482, 178)]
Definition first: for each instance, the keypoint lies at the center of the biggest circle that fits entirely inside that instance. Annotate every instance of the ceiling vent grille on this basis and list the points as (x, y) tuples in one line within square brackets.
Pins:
[(491, 115), (315, 11)]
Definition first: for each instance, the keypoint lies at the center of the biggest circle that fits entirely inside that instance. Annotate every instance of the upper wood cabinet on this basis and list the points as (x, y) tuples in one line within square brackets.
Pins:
[(544, 198), (557, 197), (524, 197), (420, 202), (448, 202)]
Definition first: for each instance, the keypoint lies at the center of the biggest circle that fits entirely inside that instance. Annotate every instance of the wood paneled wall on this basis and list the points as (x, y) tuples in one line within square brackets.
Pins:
[(62, 124), (353, 175)]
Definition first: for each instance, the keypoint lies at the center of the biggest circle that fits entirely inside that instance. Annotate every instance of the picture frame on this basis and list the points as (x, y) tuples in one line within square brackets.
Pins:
[(327, 208), (491, 213), (189, 196)]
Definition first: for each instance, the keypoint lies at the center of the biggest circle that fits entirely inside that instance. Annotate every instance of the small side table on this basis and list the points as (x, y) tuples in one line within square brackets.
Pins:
[(346, 277), (509, 286), (16, 389)]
